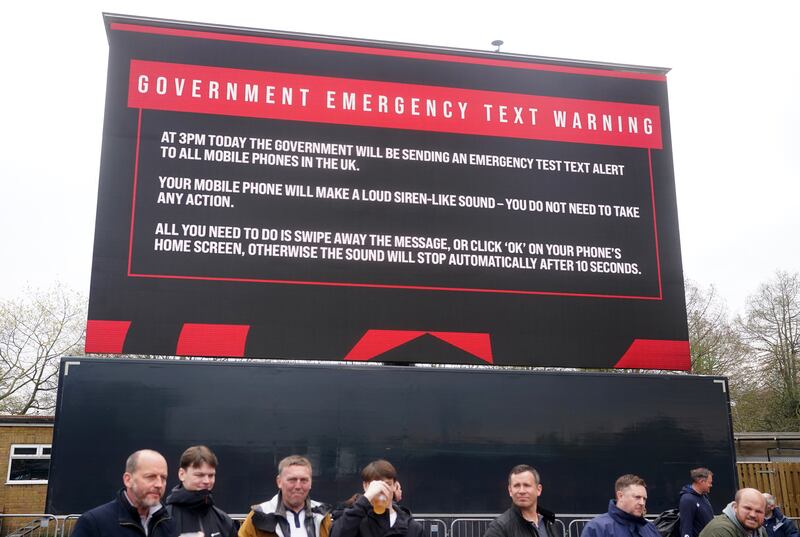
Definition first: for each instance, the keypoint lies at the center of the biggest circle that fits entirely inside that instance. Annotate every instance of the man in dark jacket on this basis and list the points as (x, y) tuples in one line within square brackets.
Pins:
[(375, 514), (191, 503), (694, 507), (137, 509), (776, 523), (525, 518), (625, 516)]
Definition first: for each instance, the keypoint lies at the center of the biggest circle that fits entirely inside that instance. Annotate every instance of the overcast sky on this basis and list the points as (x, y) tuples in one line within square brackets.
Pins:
[(734, 89)]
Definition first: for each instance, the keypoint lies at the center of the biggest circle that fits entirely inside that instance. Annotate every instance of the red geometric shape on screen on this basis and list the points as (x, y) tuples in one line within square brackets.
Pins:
[(106, 337), (212, 340), (477, 344), (376, 342), (656, 354)]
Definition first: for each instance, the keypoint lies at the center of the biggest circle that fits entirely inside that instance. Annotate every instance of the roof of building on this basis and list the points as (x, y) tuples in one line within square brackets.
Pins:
[(9, 419)]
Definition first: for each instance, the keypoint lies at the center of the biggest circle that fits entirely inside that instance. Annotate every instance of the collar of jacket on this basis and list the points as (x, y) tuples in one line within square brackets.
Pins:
[(622, 517), (267, 515), (191, 499), (777, 514), (128, 513), (688, 489), (549, 516)]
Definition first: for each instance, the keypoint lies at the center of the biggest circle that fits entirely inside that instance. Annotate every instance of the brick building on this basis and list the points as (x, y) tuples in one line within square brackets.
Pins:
[(24, 462)]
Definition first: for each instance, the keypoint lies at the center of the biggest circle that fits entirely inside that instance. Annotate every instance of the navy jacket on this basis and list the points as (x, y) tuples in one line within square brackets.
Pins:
[(695, 511), (618, 523), (780, 526), (118, 518)]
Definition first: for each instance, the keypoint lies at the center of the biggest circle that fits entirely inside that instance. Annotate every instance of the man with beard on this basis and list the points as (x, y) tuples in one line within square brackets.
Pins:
[(137, 509), (191, 503), (625, 516), (525, 518), (743, 517)]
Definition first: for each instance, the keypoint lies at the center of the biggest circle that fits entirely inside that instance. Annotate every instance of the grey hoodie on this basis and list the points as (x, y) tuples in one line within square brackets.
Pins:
[(728, 512)]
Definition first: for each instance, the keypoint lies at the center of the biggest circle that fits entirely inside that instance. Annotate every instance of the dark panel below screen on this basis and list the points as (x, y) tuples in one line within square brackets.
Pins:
[(453, 434)]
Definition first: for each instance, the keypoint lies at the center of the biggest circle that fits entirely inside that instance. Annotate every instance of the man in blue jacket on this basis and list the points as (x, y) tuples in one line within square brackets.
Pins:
[(694, 507), (777, 524), (137, 509), (625, 517)]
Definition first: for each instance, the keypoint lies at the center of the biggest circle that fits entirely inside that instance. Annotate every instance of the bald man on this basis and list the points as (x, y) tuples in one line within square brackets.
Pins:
[(137, 509), (743, 517)]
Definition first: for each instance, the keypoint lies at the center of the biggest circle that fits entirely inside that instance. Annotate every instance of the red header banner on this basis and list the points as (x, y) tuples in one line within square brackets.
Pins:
[(344, 101)]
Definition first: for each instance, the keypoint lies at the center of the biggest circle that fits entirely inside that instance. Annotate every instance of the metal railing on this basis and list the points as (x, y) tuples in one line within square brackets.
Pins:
[(476, 526), (434, 525), (29, 525)]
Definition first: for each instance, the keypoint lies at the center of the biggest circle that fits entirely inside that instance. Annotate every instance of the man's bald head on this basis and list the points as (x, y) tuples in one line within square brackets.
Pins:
[(132, 462), (749, 506), (751, 493)]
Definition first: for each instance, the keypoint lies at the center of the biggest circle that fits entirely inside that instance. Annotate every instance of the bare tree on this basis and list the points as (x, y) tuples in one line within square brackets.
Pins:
[(35, 331), (771, 330), (715, 346)]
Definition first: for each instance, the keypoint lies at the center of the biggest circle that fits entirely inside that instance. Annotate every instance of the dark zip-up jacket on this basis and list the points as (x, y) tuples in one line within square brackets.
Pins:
[(618, 523), (359, 520), (513, 524), (194, 510), (118, 518), (695, 511)]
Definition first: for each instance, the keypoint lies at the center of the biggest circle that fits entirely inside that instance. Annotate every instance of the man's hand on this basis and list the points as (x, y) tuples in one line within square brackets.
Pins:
[(376, 488)]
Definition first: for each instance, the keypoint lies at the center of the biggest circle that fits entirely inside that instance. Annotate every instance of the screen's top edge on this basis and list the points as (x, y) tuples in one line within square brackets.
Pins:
[(111, 18)]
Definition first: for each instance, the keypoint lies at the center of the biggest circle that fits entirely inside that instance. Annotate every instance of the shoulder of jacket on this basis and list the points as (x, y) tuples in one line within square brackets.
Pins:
[(222, 514), (652, 529), (603, 520), (504, 518), (721, 523)]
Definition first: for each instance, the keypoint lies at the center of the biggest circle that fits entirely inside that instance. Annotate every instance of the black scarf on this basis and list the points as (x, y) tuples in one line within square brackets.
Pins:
[(192, 510)]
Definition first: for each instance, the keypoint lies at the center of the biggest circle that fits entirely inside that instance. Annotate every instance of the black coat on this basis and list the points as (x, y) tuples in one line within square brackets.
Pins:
[(194, 510), (512, 524), (118, 518), (359, 520)]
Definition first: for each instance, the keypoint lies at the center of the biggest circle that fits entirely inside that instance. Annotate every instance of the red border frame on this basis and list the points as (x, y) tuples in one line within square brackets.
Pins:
[(270, 41)]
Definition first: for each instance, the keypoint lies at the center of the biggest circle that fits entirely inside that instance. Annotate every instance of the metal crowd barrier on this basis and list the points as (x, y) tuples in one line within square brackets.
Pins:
[(434, 525), (576, 526), (476, 526), (29, 525)]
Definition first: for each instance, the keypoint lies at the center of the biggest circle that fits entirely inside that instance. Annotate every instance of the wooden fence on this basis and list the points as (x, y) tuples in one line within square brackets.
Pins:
[(781, 479)]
